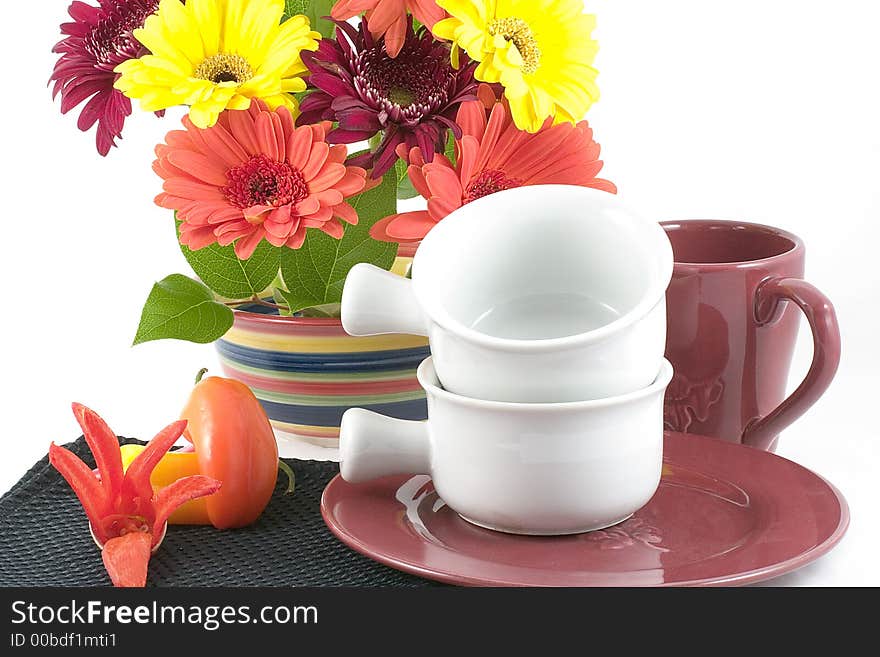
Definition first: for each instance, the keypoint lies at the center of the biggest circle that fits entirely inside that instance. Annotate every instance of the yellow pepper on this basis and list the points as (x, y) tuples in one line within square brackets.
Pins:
[(173, 466)]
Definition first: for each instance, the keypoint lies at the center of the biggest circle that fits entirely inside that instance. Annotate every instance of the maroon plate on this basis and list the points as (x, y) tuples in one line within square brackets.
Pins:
[(724, 515)]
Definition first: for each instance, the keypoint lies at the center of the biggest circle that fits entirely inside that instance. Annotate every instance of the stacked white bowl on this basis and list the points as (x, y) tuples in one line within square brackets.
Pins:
[(545, 310)]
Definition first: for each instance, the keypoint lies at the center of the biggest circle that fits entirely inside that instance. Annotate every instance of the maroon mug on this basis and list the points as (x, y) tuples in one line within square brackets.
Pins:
[(732, 310)]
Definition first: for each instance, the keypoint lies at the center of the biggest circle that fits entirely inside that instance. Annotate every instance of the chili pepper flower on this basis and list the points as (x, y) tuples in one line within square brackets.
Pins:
[(255, 176), (494, 155), (540, 50), (96, 42), (388, 18), (412, 98), (215, 55), (121, 506)]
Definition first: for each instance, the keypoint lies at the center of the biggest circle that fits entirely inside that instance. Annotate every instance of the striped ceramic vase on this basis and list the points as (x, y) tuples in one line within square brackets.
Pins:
[(307, 372)]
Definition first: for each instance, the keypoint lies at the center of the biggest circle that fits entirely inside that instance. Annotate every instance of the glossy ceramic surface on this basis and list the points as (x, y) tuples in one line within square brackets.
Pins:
[(308, 372), (733, 306), (556, 250), (724, 515), (542, 469)]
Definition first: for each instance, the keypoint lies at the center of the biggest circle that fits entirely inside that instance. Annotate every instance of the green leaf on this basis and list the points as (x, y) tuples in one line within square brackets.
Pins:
[(294, 7), (220, 269), (405, 189), (315, 274), (183, 309), (314, 10), (450, 147), (330, 311), (279, 295)]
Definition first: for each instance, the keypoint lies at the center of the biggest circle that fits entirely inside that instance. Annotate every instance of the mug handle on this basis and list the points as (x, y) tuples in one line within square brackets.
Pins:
[(372, 446), (377, 302), (769, 303)]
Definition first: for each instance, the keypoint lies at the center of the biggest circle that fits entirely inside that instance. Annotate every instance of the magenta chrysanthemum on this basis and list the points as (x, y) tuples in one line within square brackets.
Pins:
[(413, 98), (97, 41)]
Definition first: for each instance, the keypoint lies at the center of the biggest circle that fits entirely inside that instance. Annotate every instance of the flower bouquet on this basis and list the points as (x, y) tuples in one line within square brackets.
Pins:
[(310, 120)]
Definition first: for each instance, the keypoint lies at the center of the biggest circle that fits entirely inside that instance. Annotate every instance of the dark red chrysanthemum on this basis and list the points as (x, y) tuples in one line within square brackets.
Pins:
[(413, 98), (97, 41)]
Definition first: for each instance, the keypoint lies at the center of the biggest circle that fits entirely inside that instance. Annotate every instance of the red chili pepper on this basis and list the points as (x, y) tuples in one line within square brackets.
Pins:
[(119, 504), (126, 559)]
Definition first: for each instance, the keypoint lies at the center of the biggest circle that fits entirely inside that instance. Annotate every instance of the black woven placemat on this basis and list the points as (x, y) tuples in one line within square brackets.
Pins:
[(44, 541)]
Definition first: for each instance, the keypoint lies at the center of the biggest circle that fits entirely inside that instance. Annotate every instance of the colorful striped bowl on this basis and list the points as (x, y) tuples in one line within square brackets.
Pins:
[(307, 372)]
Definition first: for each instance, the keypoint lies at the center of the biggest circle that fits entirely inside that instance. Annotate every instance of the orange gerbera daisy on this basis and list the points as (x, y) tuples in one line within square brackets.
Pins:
[(253, 176), (494, 155), (389, 17)]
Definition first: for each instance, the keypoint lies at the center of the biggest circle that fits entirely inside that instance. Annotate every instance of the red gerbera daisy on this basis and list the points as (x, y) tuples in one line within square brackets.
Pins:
[(388, 18), (254, 176), (412, 98), (97, 41), (494, 155)]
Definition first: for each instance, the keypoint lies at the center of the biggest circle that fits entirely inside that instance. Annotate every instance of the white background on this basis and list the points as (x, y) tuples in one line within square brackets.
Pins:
[(761, 110)]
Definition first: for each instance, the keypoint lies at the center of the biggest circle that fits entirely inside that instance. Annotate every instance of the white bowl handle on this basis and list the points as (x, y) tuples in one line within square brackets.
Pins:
[(376, 302), (372, 446)]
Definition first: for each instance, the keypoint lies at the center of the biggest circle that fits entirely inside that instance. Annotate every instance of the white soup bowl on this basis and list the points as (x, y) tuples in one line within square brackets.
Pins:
[(541, 469), (567, 304)]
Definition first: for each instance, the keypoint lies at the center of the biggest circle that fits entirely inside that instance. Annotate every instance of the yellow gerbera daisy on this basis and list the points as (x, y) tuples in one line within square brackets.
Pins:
[(218, 54), (540, 50)]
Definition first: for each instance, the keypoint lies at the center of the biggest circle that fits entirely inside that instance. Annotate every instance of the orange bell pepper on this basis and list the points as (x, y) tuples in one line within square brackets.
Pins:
[(234, 443)]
